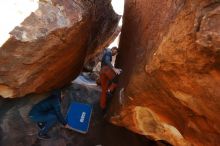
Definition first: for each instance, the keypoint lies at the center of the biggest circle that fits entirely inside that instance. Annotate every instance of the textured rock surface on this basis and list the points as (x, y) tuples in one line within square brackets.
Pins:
[(48, 49), (96, 55), (170, 88)]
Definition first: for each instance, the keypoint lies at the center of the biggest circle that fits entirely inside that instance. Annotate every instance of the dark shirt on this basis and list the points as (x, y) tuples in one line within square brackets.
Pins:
[(107, 59), (50, 104)]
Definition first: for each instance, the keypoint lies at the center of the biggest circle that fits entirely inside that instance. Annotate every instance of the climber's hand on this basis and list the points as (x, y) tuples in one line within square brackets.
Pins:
[(67, 126), (117, 70)]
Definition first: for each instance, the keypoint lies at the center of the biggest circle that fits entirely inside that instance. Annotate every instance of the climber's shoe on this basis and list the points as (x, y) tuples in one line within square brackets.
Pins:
[(40, 125)]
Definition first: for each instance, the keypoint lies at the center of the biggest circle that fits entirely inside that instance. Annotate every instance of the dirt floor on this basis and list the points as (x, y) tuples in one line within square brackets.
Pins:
[(16, 129)]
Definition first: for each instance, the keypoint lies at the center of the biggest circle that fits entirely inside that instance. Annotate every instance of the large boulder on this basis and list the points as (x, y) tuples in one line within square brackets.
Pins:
[(170, 56), (47, 50)]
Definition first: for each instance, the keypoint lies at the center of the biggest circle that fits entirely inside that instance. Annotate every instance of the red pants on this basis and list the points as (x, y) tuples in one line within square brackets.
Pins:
[(107, 74)]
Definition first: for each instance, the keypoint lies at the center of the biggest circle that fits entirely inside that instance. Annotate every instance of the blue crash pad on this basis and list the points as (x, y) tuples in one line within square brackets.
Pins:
[(78, 116)]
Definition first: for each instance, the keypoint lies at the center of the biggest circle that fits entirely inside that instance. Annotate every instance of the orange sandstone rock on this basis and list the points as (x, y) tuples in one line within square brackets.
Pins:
[(170, 87), (47, 50)]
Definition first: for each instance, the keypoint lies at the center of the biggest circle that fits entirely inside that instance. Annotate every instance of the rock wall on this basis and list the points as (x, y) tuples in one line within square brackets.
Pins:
[(170, 86), (47, 50), (95, 55)]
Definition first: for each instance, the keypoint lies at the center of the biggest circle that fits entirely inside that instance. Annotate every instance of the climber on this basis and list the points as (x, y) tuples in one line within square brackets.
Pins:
[(108, 77), (47, 113)]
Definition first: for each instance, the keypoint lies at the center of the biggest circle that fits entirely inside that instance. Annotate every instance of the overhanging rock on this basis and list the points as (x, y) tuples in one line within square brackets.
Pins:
[(47, 50)]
